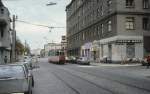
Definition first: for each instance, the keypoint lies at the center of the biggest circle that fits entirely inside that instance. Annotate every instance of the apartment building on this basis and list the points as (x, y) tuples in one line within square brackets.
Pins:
[(107, 28), (5, 40)]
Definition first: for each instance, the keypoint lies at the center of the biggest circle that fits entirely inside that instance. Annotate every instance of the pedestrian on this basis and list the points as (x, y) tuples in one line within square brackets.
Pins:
[(148, 61), (5, 59)]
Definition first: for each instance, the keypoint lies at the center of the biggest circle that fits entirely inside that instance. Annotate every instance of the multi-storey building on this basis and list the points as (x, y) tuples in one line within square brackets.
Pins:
[(107, 28), (5, 41)]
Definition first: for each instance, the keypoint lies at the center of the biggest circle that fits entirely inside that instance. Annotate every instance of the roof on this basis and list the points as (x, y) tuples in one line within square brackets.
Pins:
[(1, 4), (70, 4)]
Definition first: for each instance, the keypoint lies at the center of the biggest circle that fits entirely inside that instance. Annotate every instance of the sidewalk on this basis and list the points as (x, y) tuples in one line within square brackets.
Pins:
[(136, 69), (113, 65)]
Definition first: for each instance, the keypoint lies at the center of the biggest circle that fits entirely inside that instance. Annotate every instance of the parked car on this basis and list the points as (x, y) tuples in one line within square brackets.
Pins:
[(28, 68), (144, 62), (106, 59), (14, 79), (27, 59), (83, 60), (71, 59)]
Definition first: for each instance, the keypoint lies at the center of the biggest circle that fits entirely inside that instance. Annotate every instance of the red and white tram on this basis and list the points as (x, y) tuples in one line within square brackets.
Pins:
[(56, 57)]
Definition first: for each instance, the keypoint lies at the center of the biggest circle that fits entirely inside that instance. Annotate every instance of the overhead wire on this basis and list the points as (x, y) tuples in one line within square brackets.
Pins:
[(26, 22)]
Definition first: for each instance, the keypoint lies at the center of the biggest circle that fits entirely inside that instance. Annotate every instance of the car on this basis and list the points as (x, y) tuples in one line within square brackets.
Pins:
[(144, 62), (71, 59), (83, 61), (27, 59), (14, 79), (28, 68)]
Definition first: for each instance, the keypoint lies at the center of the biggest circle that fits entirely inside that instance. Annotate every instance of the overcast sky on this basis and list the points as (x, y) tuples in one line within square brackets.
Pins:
[(36, 12)]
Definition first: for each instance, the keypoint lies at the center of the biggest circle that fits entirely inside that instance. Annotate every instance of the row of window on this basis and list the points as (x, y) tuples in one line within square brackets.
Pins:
[(128, 3), (99, 29), (81, 22), (131, 3), (130, 23)]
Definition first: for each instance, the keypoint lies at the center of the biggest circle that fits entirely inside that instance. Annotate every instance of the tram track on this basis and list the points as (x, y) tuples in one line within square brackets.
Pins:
[(117, 81), (90, 82), (68, 85)]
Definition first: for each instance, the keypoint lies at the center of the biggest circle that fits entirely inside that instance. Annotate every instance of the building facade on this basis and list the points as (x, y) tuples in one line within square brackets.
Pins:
[(5, 40), (42, 53), (36, 52), (50, 47), (110, 28)]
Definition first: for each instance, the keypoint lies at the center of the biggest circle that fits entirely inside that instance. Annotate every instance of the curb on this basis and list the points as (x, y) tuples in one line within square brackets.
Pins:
[(114, 65)]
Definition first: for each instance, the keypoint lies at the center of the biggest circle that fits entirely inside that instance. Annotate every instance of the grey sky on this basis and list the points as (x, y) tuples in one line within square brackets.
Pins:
[(36, 11)]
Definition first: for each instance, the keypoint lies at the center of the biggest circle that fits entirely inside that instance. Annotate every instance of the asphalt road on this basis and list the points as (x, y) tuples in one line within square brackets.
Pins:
[(82, 79)]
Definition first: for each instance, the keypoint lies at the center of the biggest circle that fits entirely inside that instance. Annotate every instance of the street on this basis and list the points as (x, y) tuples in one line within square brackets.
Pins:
[(83, 79)]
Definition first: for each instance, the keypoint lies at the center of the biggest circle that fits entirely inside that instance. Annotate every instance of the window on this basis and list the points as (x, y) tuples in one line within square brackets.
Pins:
[(102, 51), (98, 28), (83, 36), (97, 1), (130, 23), (129, 3), (2, 11), (145, 4), (2, 32), (109, 26), (102, 11), (145, 23), (95, 31), (109, 2), (102, 28), (98, 12)]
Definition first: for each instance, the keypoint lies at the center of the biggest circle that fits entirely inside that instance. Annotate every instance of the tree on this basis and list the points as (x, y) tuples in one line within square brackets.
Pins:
[(19, 47)]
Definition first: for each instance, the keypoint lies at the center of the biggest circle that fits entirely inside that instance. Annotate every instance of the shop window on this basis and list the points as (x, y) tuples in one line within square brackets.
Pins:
[(130, 50)]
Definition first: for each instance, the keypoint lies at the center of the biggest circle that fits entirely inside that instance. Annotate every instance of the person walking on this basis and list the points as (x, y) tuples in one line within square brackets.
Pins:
[(5, 59), (148, 61)]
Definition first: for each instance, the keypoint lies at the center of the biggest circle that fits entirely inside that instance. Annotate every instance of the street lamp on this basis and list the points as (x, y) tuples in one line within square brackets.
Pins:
[(51, 3)]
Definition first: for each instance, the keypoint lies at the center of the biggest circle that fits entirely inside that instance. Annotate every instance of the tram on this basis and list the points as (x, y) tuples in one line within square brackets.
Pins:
[(56, 57)]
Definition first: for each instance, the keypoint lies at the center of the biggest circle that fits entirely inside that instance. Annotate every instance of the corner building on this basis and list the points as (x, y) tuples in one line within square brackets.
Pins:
[(107, 28), (5, 33)]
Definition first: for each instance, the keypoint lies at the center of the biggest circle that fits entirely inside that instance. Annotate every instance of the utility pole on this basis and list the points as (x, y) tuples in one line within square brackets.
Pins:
[(25, 48), (13, 48)]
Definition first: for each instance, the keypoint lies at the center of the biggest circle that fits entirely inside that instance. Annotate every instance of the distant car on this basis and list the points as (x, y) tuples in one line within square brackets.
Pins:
[(83, 60), (27, 59), (71, 59), (14, 79)]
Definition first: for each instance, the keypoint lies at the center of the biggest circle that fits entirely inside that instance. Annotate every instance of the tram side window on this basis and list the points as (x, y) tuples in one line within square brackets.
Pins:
[(57, 53), (61, 53)]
